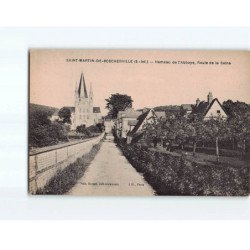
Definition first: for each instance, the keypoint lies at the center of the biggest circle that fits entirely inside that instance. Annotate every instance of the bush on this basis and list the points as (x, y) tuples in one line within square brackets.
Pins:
[(95, 128), (42, 132), (174, 175), (83, 130)]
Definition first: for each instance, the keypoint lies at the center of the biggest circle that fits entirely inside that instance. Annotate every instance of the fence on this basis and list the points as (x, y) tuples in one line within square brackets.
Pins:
[(44, 165)]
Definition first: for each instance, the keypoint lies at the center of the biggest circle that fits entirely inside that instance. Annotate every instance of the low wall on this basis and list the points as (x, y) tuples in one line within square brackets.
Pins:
[(44, 165)]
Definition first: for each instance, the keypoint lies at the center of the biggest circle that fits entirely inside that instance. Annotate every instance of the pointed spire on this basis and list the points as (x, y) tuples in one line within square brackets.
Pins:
[(82, 91), (90, 90), (76, 88)]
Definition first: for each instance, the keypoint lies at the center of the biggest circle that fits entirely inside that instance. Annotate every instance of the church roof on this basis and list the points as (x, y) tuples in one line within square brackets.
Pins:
[(82, 87), (96, 110)]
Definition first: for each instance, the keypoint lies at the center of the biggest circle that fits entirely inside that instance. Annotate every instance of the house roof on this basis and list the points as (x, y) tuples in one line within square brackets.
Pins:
[(203, 107), (187, 107), (96, 110), (140, 120), (160, 114), (132, 122), (129, 113)]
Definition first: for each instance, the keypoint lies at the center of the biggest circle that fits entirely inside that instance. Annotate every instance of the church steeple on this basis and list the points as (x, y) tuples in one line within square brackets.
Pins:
[(91, 91), (82, 91)]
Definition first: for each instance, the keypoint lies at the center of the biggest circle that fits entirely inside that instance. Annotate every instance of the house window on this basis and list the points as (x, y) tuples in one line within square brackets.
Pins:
[(218, 111)]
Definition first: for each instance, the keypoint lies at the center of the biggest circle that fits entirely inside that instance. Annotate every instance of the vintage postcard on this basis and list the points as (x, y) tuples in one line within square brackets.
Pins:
[(139, 122)]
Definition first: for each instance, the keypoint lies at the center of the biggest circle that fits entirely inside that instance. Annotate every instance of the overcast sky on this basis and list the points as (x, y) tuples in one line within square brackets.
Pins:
[(53, 79)]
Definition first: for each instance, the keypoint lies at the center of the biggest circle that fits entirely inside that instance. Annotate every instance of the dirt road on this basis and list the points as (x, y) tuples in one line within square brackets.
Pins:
[(111, 174)]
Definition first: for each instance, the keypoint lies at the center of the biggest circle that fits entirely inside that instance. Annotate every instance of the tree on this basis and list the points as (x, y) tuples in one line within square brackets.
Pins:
[(152, 131), (118, 102), (65, 114), (240, 129), (235, 108), (196, 130), (239, 122), (42, 132), (216, 128), (83, 130)]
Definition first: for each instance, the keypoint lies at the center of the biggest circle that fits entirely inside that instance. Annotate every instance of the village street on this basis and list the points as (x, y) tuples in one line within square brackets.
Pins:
[(110, 173)]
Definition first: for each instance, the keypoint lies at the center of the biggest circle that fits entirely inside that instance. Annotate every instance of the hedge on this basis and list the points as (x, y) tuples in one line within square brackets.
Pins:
[(174, 175)]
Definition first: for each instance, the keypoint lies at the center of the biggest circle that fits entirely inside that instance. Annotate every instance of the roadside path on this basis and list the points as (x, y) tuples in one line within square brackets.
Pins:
[(110, 173)]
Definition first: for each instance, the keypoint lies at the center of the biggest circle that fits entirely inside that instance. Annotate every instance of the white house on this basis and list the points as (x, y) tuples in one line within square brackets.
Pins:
[(211, 108)]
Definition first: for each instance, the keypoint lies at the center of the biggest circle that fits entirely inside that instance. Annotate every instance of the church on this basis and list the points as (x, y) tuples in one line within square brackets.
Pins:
[(83, 112)]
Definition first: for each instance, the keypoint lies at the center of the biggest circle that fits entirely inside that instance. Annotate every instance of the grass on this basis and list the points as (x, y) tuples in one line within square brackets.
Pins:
[(67, 178), (204, 158)]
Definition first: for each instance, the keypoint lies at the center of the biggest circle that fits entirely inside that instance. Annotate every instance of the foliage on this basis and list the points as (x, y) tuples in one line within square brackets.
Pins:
[(181, 129), (174, 175), (65, 114), (34, 108), (42, 132), (98, 128), (83, 130), (235, 108), (118, 102)]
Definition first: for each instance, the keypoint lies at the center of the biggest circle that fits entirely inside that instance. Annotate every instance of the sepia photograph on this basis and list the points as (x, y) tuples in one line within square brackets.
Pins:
[(138, 122)]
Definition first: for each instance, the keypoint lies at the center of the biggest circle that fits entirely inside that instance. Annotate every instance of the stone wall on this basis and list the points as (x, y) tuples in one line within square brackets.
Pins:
[(44, 165)]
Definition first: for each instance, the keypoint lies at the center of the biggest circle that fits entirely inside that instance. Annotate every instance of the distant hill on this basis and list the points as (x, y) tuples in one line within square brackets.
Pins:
[(37, 107), (167, 108)]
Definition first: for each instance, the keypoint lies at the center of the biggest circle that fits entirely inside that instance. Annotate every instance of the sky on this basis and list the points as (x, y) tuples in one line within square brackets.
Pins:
[(181, 79)]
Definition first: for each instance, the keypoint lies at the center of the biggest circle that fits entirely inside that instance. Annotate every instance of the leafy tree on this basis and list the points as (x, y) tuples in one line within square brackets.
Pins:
[(216, 128), (118, 102), (236, 108), (65, 114), (83, 130), (152, 131), (42, 132), (240, 129), (39, 118), (196, 131)]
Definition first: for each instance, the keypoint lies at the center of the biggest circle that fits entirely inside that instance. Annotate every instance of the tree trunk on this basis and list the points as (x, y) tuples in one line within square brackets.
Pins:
[(244, 148), (194, 149), (217, 149)]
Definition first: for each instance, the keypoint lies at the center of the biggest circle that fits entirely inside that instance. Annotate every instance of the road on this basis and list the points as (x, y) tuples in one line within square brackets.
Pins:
[(110, 173)]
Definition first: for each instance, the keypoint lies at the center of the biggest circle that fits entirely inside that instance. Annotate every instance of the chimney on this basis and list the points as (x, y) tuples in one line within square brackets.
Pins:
[(210, 97), (197, 101)]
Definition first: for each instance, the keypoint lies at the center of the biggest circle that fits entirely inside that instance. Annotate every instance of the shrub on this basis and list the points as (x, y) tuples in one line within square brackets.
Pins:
[(174, 175), (42, 132)]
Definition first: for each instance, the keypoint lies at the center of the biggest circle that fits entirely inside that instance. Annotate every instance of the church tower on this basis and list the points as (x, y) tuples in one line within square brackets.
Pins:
[(91, 96), (83, 110)]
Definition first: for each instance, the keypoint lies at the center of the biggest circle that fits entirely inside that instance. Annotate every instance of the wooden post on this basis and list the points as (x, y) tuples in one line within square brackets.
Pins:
[(217, 149)]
